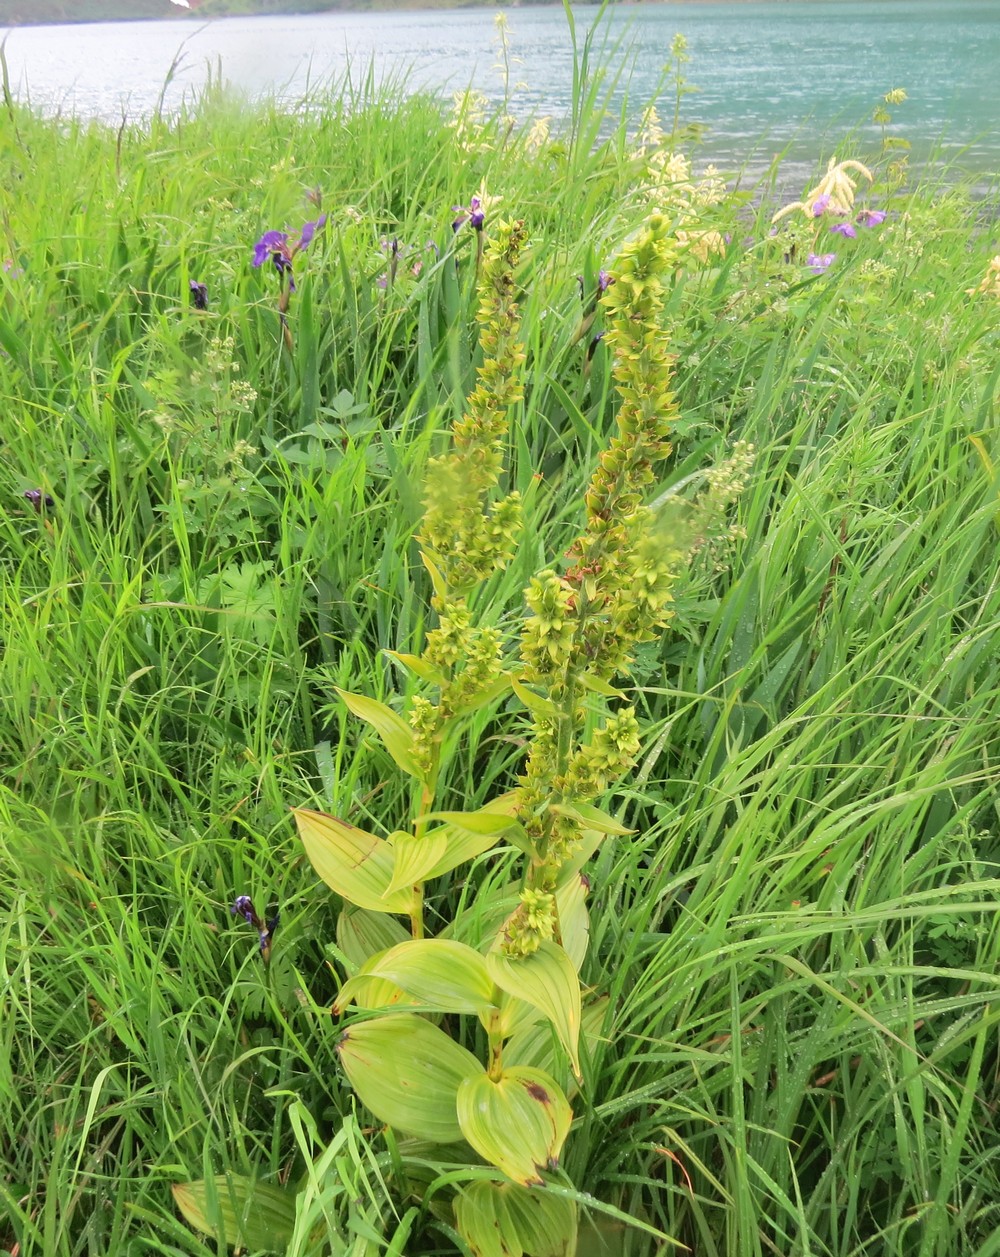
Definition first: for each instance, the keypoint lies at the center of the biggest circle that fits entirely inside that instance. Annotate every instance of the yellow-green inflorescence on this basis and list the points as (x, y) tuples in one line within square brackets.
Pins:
[(469, 530), (582, 625)]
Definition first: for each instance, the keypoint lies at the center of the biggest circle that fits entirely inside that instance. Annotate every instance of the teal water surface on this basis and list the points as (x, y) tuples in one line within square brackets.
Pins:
[(771, 76)]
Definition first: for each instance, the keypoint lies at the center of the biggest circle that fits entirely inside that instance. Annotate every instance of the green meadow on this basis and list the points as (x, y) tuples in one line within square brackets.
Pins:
[(208, 523)]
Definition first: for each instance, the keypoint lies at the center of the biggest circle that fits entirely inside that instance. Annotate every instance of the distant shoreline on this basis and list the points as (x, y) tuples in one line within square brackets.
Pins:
[(12, 12)]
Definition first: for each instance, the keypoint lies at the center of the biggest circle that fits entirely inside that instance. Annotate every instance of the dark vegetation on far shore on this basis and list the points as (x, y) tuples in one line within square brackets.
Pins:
[(43, 12)]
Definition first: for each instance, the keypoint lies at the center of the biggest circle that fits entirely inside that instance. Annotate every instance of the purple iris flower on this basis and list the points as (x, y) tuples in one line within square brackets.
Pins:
[(243, 907), (472, 213), (604, 281), (309, 230), (39, 500), (271, 243), (819, 262), (820, 204), (872, 217), (844, 229), (199, 294)]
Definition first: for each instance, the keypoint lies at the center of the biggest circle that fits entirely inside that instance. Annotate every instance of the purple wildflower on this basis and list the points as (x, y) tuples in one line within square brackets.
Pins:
[(473, 214), (276, 246), (820, 204), (819, 262), (604, 281), (309, 230), (872, 217), (271, 244), (199, 294), (844, 229), (39, 500), (243, 907)]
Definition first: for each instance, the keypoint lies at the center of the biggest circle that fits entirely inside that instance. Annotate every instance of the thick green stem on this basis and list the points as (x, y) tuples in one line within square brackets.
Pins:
[(495, 1067), (417, 912)]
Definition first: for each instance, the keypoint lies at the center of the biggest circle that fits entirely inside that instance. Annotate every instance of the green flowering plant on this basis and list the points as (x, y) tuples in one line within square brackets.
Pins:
[(513, 966), (513, 1108)]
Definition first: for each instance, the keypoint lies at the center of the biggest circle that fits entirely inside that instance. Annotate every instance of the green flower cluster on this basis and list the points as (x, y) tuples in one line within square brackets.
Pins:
[(610, 752), (467, 533), (533, 922), (582, 626), (465, 659)]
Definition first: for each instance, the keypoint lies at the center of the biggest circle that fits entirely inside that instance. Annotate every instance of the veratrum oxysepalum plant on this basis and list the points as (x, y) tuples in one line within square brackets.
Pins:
[(511, 1108)]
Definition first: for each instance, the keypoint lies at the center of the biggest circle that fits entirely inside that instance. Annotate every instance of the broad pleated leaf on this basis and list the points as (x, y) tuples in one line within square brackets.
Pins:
[(598, 685), (516, 1016), (548, 981), (372, 993), (536, 1044), (396, 734), (418, 666), (248, 1214), (574, 919), (354, 863), (535, 703), (518, 1123), (437, 973), (545, 1224), (481, 1221), (471, 833), (408, 1072), (463, 845), (482, 821), (362, 934), (508, 1220), (591, 817), (414, 859)]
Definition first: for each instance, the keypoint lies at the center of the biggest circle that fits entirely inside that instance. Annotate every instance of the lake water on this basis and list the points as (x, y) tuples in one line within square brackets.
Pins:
[(770, 75)]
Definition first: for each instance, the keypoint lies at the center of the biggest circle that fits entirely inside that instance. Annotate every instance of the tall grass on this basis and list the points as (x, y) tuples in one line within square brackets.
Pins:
[(800, 944)]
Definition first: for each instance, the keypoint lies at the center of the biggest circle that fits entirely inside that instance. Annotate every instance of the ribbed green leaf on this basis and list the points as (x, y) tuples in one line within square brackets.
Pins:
[(481, 1220), (372, 993), (536, 1044), (508, 1220), (574, 919), (356, 864), (418, 666), (437, 973), (544, 1224), (591, 817), (535, 703), (485, 821), (463, 845), (414, 859), (437, 581), (469, 834), (408, 1072), (598, 685), (362, 934), (246, 1214), (548, 981), (518, 1123), (395, 733)]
